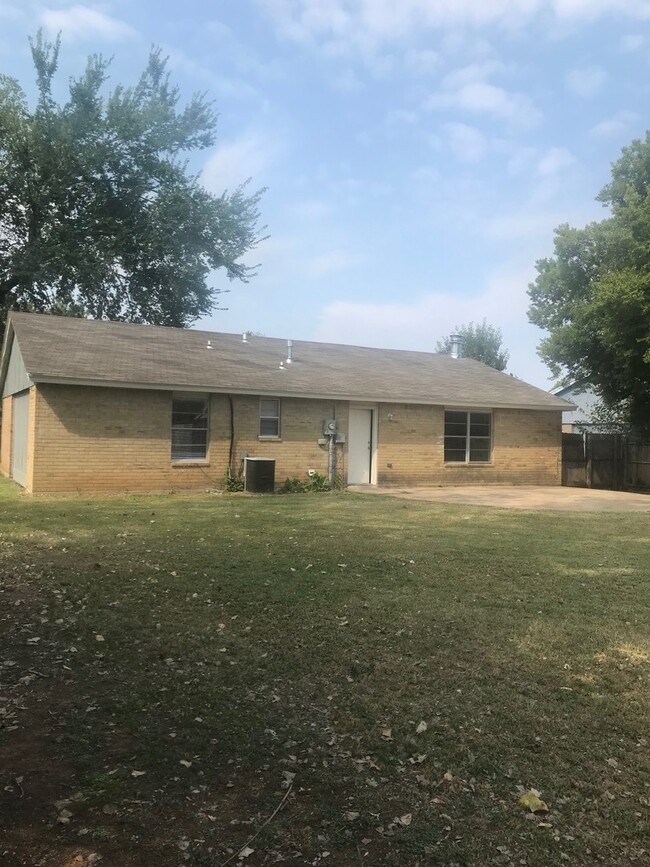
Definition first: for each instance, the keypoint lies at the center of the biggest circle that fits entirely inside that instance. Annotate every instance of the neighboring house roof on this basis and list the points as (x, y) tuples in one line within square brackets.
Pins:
[(60, 349), (575, 387), (584, 399)]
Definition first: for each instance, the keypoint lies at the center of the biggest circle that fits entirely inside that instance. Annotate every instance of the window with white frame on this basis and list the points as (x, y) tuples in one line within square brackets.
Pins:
[(468, 437), (190, 427), (269, 417)]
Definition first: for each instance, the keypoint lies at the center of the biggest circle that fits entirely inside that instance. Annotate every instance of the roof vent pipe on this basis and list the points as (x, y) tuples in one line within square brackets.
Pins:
[(289, 351), (456, 345), (244, 337)]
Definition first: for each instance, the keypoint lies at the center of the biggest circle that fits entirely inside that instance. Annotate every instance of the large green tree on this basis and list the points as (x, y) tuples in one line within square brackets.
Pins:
[(99, 214), (481, 342), (593, 294)]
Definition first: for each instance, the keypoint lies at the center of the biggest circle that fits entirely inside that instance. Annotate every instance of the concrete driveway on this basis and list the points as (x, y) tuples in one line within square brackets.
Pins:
[(521, 497)]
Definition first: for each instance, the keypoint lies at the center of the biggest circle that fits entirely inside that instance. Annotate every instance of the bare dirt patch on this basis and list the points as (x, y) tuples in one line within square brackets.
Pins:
[(534, 498)]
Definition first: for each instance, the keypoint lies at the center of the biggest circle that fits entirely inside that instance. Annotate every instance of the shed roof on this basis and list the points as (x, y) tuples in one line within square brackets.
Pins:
[(83, 351)]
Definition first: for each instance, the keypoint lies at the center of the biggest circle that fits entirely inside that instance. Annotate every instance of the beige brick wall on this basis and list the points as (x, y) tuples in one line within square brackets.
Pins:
[(301, 423), (5, 436), (527, 448), (111, 439)]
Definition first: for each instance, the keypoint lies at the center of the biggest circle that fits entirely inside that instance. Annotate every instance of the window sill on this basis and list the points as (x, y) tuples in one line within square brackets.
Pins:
[(180, 464), (270, 439), (473, 464)]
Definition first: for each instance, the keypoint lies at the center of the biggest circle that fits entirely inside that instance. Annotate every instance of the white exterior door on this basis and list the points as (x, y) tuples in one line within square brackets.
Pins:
[(19, 432), (360, 447)]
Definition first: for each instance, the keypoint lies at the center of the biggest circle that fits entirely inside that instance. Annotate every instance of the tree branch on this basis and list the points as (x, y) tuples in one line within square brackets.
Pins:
[(6, 286)]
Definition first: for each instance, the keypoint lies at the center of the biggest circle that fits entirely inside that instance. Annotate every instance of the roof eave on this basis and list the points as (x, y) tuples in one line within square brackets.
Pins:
[(45, 379)]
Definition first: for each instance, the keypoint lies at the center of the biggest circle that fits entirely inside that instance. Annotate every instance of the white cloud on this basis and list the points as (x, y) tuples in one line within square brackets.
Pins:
[(467, 143), (592, 9), (484, 98), (82, 22), (401, 117), (348, 82), (224, 85), (468, 89), (418, 324), (521, 159), (616, 126), (633, 42), (368, 24), (551, 179), (421, 61), (555, 160), (487, 98), (475, 72), (230, 164), (239, 55), (585, 82)]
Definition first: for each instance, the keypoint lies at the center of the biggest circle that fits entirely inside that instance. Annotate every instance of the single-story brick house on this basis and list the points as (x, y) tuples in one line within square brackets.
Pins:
[(112, 406)]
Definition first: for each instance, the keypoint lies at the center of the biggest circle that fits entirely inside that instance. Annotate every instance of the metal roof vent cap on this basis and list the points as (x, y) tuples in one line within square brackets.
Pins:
[(289, 359), (456, 345)]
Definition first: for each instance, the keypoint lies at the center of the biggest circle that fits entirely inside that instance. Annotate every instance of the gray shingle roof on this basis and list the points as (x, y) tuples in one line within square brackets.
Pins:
[(61, 349)]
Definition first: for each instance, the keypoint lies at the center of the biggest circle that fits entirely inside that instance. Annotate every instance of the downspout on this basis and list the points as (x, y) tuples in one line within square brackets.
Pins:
[(232, 436)]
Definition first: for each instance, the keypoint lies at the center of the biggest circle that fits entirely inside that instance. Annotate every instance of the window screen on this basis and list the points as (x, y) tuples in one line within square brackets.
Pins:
[(190, 428), (269, 417)]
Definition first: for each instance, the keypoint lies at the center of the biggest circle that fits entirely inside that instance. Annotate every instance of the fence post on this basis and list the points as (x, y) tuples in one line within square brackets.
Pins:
[(588, 455)]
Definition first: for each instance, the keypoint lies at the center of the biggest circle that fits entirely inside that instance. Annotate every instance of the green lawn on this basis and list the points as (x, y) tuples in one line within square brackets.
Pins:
[(250, 652)]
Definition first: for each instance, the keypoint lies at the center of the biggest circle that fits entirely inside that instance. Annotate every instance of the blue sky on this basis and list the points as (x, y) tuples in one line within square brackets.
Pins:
[(417, 153)]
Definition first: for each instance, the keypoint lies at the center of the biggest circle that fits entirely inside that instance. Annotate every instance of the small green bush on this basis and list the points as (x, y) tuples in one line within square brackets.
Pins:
[(318, 483), (293, 486), (233, 485), (315, 483)]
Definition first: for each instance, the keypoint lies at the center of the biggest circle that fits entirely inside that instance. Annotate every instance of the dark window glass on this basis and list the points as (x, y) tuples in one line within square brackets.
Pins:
[(479, 425), (190, 429), (454, 456), (269, 417), (455, 423), (468, 437), (269, 427), (479, 450)]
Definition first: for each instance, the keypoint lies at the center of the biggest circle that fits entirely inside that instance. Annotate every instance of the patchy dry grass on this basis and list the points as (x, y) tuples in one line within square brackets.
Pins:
[(239, 650)]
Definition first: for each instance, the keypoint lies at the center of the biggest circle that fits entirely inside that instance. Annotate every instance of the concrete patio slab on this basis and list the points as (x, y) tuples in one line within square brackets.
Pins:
[(520, 497)]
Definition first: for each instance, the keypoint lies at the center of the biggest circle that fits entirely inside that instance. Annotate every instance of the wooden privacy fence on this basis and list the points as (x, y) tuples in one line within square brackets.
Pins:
[(611, 461)]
